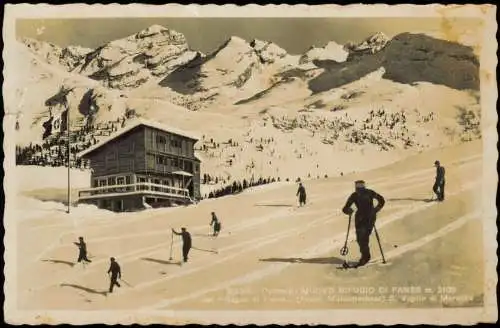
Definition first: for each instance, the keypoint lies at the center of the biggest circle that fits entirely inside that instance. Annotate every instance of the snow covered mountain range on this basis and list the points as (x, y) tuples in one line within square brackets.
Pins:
[(255, 88)]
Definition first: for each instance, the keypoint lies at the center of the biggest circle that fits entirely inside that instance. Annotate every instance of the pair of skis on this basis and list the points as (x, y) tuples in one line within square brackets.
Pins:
[(345, 250)]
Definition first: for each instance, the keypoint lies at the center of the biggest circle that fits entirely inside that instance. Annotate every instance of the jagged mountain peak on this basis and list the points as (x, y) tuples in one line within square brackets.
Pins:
[(377, 37), (372, 44), (268, 51), (260, 45), (153, 29), (236, 39), (36, 45), (161, 33), (331, 51), (233, 46), (235, 42), (68, 57)]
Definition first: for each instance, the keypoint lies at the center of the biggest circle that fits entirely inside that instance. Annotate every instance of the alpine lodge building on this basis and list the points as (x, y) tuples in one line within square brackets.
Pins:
[(145, 164)]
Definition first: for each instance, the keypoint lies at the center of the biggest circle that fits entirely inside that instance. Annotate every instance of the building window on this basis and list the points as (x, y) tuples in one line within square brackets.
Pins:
[(175, 162), (175, 143), (111, 155), (111, 181), (161, 140), (151, 161), (188, 166)]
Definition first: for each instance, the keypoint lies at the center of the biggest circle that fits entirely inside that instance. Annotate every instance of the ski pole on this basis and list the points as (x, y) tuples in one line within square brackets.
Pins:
[(205, 250), (126, 282), (379, 244), (171, 245), (344, 250)]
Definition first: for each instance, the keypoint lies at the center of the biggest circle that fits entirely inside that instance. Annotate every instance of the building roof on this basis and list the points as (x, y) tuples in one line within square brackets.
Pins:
[(184, 173), (132, 125)]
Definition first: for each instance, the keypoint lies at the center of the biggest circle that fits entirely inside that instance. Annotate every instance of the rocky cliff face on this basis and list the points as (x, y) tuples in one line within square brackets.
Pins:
[(162, 57), (407, 58), (125, 63), (412, 58), (69, 57), (132, 61), (235, 70), (370, 45)]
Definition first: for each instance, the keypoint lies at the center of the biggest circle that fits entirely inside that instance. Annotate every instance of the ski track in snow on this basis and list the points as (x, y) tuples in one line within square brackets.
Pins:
[(131, 256), (456, 224), (322, 248), (258, 242)]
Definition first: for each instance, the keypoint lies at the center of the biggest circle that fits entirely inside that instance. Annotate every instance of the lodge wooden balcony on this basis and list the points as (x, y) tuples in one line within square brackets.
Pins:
[(146, 188)]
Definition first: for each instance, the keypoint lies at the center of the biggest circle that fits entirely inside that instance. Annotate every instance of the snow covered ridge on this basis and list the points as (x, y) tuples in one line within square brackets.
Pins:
[(158, 56), (371, 45), (407, 58), (331, 51), (69, 57)]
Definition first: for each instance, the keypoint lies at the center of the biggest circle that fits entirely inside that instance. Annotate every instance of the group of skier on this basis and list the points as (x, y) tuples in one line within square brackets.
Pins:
[(114, 270), (364, 221), (366, 213)]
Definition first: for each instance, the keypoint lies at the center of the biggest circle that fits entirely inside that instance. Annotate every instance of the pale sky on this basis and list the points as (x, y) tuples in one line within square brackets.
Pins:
[(295, 35)]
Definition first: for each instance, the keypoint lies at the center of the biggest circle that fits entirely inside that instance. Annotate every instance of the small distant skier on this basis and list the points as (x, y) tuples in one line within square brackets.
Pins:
[(365, 216), (82, 255), (438, 187), (116, 273), (216, 223), (301, 192), (186, 242)]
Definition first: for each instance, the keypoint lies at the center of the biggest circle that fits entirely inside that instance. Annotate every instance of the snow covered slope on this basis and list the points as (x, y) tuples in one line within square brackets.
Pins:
[(268, 243)]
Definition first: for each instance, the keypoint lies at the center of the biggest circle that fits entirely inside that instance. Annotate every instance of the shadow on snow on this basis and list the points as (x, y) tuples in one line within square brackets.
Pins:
[(86, 289), (427, 200), (71, 264), (160, 261), (317, 260)]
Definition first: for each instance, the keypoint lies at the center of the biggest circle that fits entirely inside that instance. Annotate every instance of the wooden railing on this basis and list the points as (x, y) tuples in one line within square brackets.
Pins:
[(134, 188)]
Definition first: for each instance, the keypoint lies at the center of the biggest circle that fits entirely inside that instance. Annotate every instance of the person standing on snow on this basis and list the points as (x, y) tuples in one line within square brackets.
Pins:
[(216, 223), (301, 192), (82, 255), (365, 216), (186, 242), (116, 273), (438, 187)]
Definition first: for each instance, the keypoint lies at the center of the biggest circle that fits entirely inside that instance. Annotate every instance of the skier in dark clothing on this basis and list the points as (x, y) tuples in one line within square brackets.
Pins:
[(186, 242), (365, 217), (438, 187), (82, 255), (116, 274), (216, 223), (301, 192)]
